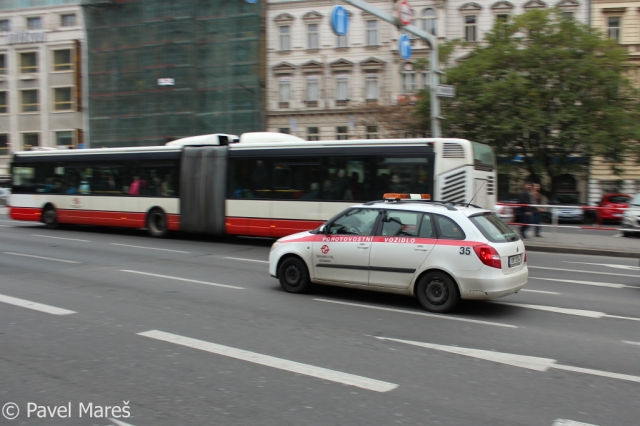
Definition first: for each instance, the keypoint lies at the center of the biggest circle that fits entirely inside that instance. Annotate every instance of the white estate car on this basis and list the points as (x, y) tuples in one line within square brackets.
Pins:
[(440, 252)]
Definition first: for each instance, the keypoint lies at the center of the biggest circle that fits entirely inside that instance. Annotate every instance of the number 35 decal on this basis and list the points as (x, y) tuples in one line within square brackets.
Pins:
[(465, 250)]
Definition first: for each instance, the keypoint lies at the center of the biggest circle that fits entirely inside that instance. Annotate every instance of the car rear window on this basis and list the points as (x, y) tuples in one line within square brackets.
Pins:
[(493, 228), (619, 199)]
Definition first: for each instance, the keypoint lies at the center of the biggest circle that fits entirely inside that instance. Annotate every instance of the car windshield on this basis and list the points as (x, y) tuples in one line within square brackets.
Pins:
[(493, 228), (619, 199), (636, 200)]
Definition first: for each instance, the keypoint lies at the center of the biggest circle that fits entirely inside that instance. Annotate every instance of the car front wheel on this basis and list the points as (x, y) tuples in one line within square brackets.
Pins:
[(294, 276), (437, 292)]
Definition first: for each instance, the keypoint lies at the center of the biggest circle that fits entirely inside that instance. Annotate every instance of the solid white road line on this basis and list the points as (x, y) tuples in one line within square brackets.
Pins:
[(539, 291), (35, 306), (564, 422), (593, 283), (566, 311), (61, 238), (182, 279), (630, 343), (248, 260), (149, 248), (522, 361), (120, 423), (424, 314), (270, 361), (40, 257), (609, 265), (6, 226), (581, 271)]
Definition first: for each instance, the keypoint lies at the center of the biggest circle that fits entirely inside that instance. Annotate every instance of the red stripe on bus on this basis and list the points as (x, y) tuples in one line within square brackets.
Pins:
[(25, 213), (268, 227)]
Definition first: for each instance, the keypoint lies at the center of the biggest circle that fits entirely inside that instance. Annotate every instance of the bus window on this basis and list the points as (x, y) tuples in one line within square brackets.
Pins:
[(248, 178), (483, 156), (345, 178), (296, 178), (402, 175)]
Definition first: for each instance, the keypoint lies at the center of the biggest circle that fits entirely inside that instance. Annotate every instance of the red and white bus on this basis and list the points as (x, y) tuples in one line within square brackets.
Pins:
[(261, 184)]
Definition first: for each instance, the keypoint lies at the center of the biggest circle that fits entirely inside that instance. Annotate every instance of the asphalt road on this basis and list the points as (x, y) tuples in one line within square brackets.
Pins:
[(194, 331)]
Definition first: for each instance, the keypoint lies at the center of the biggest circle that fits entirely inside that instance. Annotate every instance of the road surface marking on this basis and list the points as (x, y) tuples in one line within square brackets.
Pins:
[(584, 272), (14, 221), (248, 260), (182, 279), (539, 291), (424, 314), (35, 306), (149, 248), (566, 311), (6, 226), (630, 343), (522, 361), (564, 422), (593, 283), (270, 361), (40, 257), (120, 423), (61, 238), (609, 265)]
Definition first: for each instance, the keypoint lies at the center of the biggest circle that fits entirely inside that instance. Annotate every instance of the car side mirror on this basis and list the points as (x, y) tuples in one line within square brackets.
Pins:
[(322, 229)]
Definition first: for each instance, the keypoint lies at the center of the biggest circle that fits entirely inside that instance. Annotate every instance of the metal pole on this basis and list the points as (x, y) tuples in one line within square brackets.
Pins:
[(435, 64)]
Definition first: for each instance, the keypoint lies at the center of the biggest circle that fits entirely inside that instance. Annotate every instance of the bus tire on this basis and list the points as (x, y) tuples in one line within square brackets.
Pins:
[(50, 217), (294, 276), (157, 225), (437, 292)]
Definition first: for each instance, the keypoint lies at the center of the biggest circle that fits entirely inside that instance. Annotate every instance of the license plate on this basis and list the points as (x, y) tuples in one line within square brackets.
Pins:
[(515, 260)]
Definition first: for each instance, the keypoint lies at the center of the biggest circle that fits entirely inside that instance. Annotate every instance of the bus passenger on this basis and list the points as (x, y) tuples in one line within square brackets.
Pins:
[(313, 194), (134, 189), (339, 186)]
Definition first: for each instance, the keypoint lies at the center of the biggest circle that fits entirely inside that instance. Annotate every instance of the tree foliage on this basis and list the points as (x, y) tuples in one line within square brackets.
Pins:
[(544, 88)]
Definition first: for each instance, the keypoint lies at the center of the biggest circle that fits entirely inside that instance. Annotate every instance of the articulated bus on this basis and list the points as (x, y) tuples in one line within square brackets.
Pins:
[(261, 184)]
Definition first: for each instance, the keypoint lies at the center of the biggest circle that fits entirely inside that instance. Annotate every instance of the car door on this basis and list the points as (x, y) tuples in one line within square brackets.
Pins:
[(341, 254), (402, 243)]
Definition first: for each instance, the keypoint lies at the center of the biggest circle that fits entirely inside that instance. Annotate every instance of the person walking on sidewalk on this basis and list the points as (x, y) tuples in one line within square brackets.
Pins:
[(525, 198), (536, 212)]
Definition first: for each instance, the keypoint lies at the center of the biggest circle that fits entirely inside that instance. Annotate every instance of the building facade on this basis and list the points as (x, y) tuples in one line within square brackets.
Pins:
[(164, 69), (619, 20), (41, 78)]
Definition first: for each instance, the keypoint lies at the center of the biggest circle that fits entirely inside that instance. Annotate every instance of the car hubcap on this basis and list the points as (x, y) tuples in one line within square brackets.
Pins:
[(292, 275), (437, 292)]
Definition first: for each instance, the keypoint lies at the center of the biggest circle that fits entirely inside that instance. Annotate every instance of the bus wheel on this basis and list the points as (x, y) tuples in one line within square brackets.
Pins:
[(294, 276), (50, 217), (437, 292), (157, 224)]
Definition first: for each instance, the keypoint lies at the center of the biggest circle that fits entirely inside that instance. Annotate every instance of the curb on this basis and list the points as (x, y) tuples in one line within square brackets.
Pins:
[(585, 251)]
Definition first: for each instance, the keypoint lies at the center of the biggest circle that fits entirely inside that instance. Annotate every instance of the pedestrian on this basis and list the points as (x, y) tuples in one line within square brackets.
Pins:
[(537, 199), (526, 199)]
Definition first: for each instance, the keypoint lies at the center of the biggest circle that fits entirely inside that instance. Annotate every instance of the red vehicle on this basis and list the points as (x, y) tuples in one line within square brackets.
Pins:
[(613, 206)]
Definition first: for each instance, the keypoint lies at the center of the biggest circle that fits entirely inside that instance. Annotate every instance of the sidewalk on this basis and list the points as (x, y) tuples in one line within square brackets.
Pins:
[(599, 245)]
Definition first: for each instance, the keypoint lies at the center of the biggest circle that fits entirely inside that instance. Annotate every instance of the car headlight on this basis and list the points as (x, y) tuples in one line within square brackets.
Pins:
[(274, 246)]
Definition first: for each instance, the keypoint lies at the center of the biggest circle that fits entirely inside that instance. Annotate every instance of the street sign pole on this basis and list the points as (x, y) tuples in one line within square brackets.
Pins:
[(433, 57)]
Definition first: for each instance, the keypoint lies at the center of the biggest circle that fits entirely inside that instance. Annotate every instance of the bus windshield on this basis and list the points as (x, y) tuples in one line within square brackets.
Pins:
[(483, 155)]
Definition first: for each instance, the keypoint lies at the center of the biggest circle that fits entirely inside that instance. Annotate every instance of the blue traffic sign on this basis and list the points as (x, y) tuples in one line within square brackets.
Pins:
[(251, 1), (340, 20), (404, 46)]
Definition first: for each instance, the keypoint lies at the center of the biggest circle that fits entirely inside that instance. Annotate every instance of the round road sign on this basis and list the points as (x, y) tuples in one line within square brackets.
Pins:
[(405, 12)]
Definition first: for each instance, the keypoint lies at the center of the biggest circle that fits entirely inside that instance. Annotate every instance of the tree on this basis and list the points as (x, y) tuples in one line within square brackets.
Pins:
[(544, 88)]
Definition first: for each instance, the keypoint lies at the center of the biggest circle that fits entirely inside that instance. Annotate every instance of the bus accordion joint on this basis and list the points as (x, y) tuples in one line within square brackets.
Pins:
[(397, 197)]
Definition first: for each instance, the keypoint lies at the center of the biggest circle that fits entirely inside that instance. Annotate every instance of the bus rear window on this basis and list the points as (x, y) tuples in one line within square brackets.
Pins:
[(493, 228), (483, 155)]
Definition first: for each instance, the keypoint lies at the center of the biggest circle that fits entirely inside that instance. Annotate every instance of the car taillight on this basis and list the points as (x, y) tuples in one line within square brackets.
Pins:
[(488, 255)]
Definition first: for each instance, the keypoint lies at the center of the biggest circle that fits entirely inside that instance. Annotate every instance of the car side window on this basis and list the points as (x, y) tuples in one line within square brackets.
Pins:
[(426, 227), (448, 229), (400, 223), (354, 222)]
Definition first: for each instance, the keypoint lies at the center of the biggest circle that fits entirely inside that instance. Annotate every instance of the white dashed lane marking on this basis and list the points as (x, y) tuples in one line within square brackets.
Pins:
[(40, 257), (35, 306), (539, 291), (581, 271), (247, 260), (591, 283), (270, 361), (181, 279), (61, 238), (424, 314), (564, 422), (522, 361), (149, 248), (567, 311)]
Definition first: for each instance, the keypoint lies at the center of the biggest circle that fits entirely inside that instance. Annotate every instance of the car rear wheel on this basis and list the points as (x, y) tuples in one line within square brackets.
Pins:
[(50, 218), (437, 292), (294, 276)]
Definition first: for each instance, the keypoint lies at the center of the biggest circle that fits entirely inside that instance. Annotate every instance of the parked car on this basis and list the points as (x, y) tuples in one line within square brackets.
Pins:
[(4, 196), (631, 217), (613, 206), (504, 211), (567, 212)]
